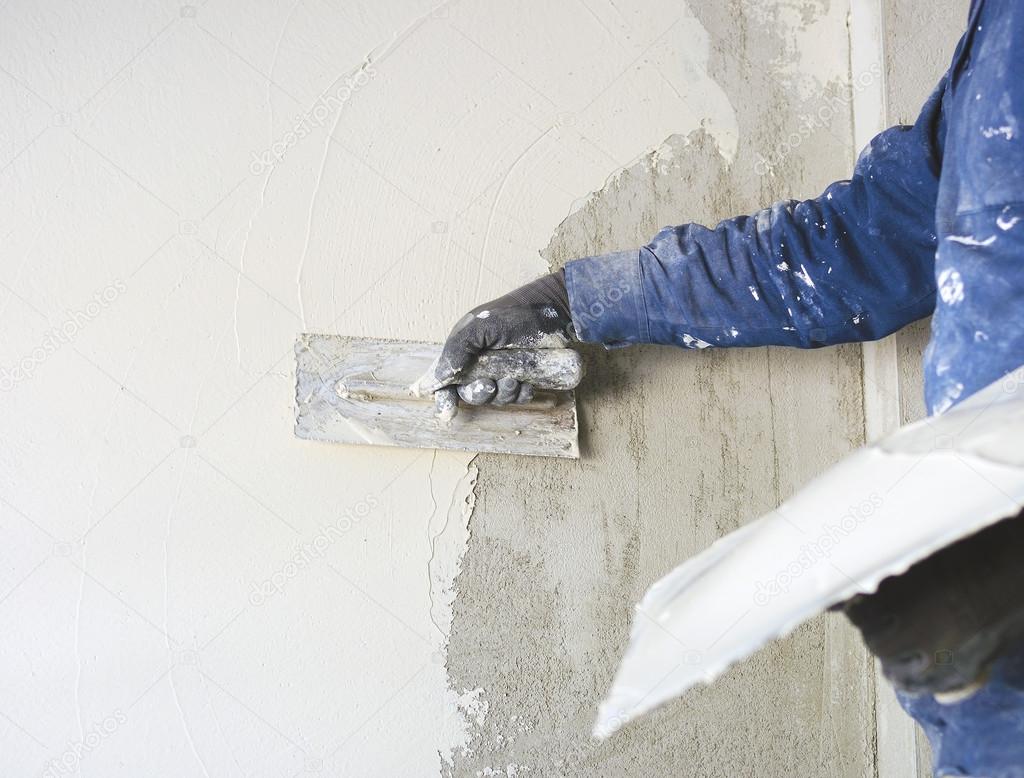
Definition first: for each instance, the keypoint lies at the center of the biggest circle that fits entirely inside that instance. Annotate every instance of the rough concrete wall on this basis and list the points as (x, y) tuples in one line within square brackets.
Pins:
[(680, 448)]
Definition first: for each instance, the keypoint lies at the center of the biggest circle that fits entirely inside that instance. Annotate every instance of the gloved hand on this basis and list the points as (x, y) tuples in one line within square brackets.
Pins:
[(938, 627), (533, 316)]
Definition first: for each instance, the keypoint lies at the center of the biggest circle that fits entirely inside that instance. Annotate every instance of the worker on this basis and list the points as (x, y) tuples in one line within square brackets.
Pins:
[(931, 222)]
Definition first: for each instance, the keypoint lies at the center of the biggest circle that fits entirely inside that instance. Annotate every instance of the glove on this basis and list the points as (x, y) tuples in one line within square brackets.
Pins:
[(938, 627), (533, 316)]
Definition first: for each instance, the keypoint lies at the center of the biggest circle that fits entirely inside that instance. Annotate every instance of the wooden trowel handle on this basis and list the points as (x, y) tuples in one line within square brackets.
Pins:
[(552, 369)]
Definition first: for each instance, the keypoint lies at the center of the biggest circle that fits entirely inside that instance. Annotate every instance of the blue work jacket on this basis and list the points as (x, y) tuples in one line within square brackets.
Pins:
[(932, 220)]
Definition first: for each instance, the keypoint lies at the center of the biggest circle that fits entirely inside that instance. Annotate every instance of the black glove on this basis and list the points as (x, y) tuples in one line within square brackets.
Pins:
[(533, 316), (938, 627)]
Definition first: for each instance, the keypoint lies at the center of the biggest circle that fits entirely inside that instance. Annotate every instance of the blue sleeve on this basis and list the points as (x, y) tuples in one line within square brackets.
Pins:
[(855, 264)]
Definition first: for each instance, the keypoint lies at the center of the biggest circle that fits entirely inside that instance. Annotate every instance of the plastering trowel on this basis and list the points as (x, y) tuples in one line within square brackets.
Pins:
[(879, 511), (361, 390)]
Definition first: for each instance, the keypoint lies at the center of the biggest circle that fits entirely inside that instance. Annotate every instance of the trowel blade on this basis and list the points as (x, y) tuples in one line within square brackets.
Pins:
[(873, 515), (359, 391)]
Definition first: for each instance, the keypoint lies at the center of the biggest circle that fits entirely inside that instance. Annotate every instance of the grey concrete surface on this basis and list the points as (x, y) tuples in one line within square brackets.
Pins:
[(680, 448)]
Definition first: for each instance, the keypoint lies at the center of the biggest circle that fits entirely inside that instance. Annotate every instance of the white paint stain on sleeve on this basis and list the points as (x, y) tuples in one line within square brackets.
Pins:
[(691, 342), (1006, 222), (1003, 132), (804, 276), (951, 286), (948, 398), (970, 240)]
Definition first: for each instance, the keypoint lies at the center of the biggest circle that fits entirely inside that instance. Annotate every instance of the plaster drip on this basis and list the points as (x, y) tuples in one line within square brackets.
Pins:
[(467, 709)]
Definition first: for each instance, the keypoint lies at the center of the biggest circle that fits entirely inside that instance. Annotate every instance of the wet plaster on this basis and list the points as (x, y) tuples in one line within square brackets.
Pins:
[(679, 448)]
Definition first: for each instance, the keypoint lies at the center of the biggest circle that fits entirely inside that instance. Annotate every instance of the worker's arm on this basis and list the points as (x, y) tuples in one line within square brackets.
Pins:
[(855, 264)]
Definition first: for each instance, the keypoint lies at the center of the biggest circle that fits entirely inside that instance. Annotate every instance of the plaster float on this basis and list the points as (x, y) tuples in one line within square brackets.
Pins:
[(361, 391), (873, 515)]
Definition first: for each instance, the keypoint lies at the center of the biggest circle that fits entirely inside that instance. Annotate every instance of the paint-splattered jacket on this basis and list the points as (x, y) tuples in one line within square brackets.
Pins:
[(931, 221)]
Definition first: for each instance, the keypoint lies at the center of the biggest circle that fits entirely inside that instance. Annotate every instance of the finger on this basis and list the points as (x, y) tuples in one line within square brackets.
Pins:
[(446, 402), (479, 392), (508, 391), (525, 393), (428, 382), (443, 371), (460, 350)]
